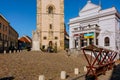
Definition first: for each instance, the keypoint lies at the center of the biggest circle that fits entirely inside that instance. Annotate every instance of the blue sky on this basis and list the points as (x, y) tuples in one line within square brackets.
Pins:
[(22, 13)]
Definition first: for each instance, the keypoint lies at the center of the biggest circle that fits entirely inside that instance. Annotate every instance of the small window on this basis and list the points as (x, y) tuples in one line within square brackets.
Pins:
[(50, 10), (3, 27), (75, 28), (44, 38), (3, 37), (0, 36), (56, 37), (107, 41), (0, 25), (96, 41), (6, 37), (50, 26), (6, 28)]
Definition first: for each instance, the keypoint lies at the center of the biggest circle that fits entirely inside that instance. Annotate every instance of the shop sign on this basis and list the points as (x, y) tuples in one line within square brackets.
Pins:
[(89, 35)]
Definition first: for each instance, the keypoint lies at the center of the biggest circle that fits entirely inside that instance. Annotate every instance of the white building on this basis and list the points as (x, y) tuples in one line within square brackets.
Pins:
[(95, 26)]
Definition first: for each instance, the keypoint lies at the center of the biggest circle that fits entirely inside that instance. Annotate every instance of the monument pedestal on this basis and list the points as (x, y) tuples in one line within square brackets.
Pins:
[(35, 41)]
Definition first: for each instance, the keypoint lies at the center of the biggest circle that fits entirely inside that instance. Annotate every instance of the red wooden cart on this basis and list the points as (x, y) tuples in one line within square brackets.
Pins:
[(100, 60)]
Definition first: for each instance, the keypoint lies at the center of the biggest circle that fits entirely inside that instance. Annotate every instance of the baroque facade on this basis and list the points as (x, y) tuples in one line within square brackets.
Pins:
[(50, 24), (95, 26)]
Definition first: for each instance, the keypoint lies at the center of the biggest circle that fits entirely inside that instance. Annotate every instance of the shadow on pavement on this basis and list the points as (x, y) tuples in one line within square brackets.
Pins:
[(116, 73), (7, 78)]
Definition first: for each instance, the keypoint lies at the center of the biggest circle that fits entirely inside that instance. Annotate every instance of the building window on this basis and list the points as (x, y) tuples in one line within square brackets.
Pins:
[(3, 28), (107, 41), (50, 10), (0, 36), (56, 37), (6, 28), (75, 29), (96, 41), (50, 26), (44, 38), (0, 25), (81, 28), (3, 37)]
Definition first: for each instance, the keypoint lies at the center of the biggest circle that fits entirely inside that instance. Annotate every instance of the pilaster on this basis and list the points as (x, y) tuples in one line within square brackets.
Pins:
[(62, 24)]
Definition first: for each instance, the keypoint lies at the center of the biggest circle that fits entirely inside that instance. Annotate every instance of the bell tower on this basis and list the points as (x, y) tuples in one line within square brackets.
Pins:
[(50, 23)]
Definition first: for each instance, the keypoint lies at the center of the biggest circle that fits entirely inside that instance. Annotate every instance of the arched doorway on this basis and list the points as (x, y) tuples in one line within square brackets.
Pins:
[(50, 46), (50, 43)]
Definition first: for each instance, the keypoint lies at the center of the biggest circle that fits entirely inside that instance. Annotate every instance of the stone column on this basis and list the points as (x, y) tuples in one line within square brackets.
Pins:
[(94, 38), (88, 42), (72, 42), (79, 43)]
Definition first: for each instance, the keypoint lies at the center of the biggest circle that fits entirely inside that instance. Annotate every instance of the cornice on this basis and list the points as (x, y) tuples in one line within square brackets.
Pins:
[(83, 19), (4, 18), (99, 15)]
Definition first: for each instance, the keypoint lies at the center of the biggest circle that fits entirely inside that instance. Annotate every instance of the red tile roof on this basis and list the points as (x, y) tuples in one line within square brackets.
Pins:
[(25, 39)]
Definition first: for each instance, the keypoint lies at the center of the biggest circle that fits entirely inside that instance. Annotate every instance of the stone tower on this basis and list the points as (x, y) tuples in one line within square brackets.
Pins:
[(50, 23)]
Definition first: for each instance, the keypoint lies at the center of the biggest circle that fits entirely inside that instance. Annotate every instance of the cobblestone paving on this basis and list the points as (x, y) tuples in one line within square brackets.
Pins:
[(29, 65)]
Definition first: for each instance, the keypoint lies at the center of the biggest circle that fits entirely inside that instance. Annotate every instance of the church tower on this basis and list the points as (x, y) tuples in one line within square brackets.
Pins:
[(50, 23)]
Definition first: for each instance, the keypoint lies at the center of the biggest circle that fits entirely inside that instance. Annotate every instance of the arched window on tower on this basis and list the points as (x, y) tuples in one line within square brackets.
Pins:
[(50, 26), (107, 41), (50, 10)]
